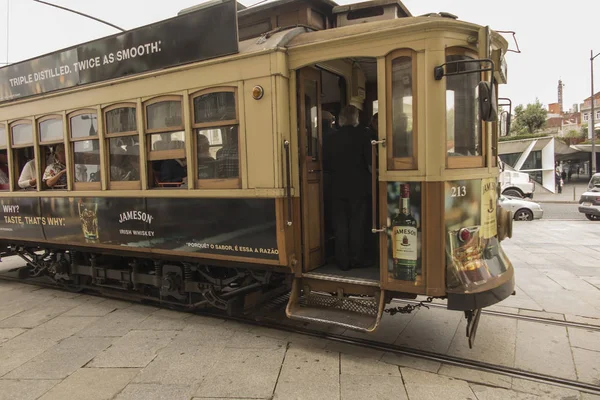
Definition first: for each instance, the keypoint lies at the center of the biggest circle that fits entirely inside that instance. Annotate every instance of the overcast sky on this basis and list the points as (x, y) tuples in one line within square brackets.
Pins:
[(555, 40)]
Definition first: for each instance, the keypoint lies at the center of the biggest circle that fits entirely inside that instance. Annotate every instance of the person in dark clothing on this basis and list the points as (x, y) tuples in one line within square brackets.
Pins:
[(173, 170), (327, 121), (347, 158)]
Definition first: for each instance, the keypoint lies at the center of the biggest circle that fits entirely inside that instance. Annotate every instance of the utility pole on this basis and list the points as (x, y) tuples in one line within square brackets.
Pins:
[(592, 56)]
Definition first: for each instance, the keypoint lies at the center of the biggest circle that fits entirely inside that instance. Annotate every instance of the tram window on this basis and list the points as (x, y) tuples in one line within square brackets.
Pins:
[(86, 154), (311, 95), (24, 162), (401, 110), (463, 126), (51, 129), (166, 145), (123, 147), (86, 151), (163, 115), (53, 164), (4, 175), (124, 158), (4, 182), (22, 134), (121, 120), (217, 138)]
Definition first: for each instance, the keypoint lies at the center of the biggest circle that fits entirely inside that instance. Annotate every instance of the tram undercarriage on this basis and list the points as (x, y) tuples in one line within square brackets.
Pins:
[(190, 285)]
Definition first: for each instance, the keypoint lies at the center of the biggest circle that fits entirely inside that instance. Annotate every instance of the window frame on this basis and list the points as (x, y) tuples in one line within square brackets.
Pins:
[(49, 118), (72, 141), (411, 162), (121, 185), (6, 132), (215, 183), (462, 162), (156, 155), (21, 122)]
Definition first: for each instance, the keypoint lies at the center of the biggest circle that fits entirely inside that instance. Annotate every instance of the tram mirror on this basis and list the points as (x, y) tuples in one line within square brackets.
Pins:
[(488, 110)]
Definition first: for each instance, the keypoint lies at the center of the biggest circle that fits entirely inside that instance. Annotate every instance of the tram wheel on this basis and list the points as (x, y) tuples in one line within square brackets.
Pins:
[(523, 215), (592, 217)]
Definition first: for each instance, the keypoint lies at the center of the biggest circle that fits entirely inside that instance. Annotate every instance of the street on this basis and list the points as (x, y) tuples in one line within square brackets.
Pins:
[(562, 211)]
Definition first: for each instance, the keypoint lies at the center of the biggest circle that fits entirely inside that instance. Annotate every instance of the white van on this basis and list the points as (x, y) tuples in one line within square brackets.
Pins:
[(514, 183)]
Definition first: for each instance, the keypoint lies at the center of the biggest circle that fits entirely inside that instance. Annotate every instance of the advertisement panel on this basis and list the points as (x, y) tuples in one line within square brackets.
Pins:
[(195, 36), (404, 231), (226, 227)]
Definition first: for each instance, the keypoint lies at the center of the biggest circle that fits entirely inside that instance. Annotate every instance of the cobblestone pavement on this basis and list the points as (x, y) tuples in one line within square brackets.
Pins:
[(58, 345)]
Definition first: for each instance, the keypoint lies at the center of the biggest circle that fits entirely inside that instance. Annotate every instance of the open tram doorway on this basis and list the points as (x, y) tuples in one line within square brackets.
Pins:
[(323, 91)]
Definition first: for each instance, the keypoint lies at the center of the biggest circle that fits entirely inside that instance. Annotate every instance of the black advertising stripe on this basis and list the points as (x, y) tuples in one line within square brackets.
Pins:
[(207, 33)]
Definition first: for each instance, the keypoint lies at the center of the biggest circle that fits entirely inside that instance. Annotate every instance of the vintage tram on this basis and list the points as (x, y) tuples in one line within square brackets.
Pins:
[(193, 159)]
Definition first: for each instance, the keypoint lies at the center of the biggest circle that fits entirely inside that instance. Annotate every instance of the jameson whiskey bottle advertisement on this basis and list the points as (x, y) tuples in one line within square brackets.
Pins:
[(404, 239)]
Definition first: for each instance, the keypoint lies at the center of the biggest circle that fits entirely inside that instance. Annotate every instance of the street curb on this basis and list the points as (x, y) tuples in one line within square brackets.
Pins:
[(556, 201)]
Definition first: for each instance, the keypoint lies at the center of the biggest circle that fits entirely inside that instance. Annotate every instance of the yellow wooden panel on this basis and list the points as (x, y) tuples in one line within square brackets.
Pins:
[(258, 116)]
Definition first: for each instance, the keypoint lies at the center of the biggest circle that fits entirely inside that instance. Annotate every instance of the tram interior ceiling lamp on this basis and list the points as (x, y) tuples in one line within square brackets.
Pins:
[(488, 108)]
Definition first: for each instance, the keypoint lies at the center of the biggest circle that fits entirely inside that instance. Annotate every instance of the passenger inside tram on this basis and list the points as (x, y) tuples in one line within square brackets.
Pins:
[(207, 167), (55, 174), (351, 249), (26, 164), (228, 155), (4, 183)]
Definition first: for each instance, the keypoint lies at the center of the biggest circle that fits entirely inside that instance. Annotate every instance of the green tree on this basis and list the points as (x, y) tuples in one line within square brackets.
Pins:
[(531, 118)]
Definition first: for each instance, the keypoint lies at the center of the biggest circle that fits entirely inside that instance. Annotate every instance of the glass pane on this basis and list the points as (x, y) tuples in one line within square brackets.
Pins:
[(51, 129), (166, 114), (25, 167), (462, 120), (311, 118), (121, 120), (84, 125), (22, 134), (218, 152), (212, 107), (4, 170), (2, 135), (87, 161), (167, 141), (402, 107), (124, 158)]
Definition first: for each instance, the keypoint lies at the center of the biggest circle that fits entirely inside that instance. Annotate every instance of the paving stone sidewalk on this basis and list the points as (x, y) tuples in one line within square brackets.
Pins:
[(58, 345)]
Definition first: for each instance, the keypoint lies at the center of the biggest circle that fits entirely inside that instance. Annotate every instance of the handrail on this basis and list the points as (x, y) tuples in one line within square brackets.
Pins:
[(286, 145), (374, 144)]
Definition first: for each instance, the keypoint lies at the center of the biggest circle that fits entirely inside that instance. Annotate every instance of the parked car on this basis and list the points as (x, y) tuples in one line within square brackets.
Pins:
[(594, 181), (522, 209), (589, 202)]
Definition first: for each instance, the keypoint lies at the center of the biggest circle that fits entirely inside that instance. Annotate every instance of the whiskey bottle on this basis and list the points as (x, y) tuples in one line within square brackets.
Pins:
[(404, 239)]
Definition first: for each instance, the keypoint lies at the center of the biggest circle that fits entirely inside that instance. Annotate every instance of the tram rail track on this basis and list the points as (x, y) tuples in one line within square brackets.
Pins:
[(264, 321), (543, 320)]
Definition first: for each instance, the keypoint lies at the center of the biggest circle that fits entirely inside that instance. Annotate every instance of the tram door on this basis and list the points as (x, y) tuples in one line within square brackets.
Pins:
[(310, 140)]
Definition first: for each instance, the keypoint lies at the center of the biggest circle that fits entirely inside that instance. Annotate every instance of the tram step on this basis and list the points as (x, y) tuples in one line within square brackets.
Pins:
[(308, 303)]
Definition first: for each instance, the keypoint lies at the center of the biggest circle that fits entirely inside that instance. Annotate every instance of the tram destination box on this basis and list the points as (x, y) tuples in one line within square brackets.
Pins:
[(199, 35)]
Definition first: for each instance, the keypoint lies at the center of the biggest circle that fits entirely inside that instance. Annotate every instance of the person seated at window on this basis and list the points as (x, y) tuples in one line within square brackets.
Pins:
[(206, 162), (55, 175), (27, 178), (3, 171), (173, 170), (123, 167), (228, 157)]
